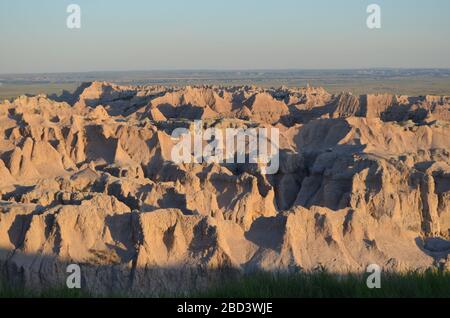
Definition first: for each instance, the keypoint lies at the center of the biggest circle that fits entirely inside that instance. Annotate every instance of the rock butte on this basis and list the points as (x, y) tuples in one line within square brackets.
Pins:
[(87, 178)]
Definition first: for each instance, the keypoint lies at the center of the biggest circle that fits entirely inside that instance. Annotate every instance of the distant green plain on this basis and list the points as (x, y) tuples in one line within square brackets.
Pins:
[(412, 86), (9, 91)]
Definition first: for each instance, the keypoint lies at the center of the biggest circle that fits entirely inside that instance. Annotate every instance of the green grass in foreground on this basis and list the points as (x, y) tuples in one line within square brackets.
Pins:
[(318, 285), (325, 285), (11, 292)]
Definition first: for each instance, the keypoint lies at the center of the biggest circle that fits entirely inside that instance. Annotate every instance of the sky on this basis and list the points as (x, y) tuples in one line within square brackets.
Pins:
[(221, 35)]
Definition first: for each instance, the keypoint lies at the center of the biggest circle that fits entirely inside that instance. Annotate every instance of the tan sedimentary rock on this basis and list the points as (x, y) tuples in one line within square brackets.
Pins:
[(87, 178)]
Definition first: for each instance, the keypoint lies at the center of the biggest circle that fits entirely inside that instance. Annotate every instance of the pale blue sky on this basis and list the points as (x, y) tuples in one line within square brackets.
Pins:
[(221, 34)]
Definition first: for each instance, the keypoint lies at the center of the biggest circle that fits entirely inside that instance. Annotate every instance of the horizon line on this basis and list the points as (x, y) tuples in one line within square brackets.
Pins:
[(226, 70)]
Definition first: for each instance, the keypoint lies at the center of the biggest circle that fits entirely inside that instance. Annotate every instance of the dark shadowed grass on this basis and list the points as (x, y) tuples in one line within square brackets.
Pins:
[(50, 293), (326, 285), (302, 285), (7, 291)]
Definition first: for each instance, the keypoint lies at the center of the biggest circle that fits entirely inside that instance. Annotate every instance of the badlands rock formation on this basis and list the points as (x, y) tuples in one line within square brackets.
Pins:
[(87, 178)]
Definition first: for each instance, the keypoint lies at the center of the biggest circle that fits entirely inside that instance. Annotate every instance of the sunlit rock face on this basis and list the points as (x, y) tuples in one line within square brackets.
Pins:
[(87, 178)]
